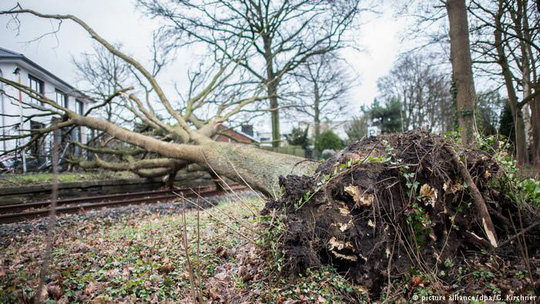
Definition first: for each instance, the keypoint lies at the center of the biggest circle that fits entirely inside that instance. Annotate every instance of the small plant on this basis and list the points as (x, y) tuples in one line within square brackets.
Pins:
[(417, 217), (517, 189), (271, 239), (486, 274)]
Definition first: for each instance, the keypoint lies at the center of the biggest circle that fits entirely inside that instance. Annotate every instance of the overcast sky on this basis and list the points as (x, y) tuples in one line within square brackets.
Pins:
[(119, 22)]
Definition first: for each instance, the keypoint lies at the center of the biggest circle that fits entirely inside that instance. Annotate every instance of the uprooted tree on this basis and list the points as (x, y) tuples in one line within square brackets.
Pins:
[(374, 210), (186, 140)]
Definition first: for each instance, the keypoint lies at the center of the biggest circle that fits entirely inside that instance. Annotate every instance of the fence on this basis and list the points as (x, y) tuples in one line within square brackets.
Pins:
[(291, 150)]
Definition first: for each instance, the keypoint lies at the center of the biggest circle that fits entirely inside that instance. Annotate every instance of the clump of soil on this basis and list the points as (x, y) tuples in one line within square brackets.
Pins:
[(393, 205)]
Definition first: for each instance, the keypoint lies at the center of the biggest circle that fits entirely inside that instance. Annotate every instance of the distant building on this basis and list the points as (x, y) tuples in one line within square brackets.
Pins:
[(226, 134), (265, 139), (16, 67)]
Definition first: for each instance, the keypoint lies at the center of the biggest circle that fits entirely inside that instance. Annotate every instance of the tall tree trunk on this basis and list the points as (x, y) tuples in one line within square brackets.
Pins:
[(519, 125), (535, 122), (460, 55), (272, 82), (274, 106), (529, 79), (317, 110)]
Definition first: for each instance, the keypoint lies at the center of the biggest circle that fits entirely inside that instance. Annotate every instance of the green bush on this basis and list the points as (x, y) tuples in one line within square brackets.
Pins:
[(516, 188), (328, 140)]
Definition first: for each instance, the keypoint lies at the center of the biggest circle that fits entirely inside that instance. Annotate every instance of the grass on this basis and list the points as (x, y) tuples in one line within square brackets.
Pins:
[(13, 180), (140, 258), (136, 258)]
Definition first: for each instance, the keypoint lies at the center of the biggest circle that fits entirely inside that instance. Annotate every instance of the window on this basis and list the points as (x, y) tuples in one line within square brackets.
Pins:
[(77, 131), (79, 107), (61, 99), (36, 85)]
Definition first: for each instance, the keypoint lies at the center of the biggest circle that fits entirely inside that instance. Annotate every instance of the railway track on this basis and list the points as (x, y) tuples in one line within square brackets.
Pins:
[(25, 211)]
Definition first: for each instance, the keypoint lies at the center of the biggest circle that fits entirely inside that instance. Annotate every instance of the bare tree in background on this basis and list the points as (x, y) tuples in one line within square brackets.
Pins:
[(103, 74), (323, 84), (423, 90), (281, 34), (504, 43), (505, 40)]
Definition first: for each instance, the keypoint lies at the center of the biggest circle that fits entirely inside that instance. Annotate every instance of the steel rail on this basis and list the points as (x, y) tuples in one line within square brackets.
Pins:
[(88, 205), (90, 199)]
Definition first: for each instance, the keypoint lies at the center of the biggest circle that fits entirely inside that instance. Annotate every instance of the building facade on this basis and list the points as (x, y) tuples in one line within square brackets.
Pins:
[(20, 114)]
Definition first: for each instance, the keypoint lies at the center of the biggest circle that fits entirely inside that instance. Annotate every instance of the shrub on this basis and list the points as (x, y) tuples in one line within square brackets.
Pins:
[(328, 140)]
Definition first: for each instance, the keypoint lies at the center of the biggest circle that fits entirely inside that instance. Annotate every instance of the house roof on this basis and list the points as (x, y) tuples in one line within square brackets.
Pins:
[(8, 55), (225, 129)]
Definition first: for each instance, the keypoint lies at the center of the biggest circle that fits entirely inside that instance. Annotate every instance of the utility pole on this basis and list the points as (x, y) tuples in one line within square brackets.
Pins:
[(3, 112), (18, 73)]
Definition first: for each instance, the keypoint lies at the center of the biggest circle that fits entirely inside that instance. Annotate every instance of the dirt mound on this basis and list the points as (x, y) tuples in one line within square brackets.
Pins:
[(389, 205)]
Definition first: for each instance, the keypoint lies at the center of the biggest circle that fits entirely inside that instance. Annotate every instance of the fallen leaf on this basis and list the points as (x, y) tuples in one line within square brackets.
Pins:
[(221, 276), (353, 191), (430, 193), (361, 199), (91, 288), (55, 291)]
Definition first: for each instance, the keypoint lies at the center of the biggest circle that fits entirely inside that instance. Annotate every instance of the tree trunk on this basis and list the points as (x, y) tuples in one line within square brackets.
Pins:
[(535, 122), (317, 110), (274, 106), (257, 168), (460, 56), (519, 125), (260, 169), (529, 74), (272, 82)]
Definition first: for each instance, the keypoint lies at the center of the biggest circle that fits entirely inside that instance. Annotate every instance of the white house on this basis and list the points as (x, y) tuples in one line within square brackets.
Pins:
[(18, 68)]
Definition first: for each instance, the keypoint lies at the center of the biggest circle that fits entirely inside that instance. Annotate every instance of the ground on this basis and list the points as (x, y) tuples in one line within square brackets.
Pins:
[(13, 180), (136, 254), (388, 219)]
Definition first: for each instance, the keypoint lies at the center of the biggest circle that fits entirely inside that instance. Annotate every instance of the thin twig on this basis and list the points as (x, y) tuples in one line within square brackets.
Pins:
[(228, 186), (194, 292), (215, 206), (52, 221), (513, 237)]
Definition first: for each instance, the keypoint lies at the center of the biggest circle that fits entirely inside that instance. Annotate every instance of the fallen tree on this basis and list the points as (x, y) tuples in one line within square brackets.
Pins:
[(188, 140)]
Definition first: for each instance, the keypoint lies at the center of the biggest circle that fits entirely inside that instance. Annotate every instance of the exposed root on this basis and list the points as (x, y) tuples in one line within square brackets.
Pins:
[(386, 206)]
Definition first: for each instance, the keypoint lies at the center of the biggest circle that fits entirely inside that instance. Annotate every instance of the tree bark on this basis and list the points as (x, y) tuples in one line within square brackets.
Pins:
[(519, 125), (272, 82), (535, 122), (460, 56), (317, 112), (274, 110), (257, 168)]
